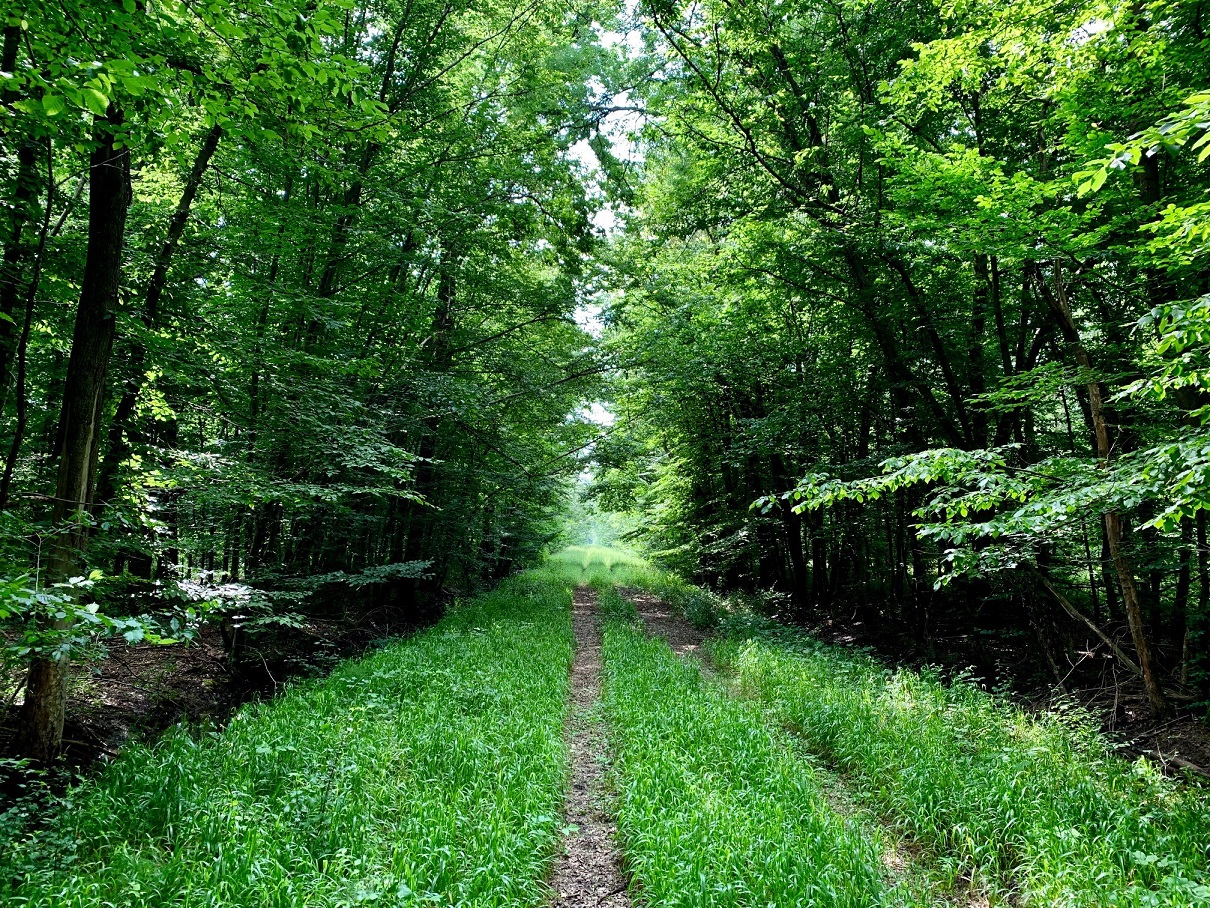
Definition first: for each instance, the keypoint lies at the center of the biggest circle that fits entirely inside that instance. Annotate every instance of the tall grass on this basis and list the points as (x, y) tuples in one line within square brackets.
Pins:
[(712, 810), (429, 773), (1037, 808)]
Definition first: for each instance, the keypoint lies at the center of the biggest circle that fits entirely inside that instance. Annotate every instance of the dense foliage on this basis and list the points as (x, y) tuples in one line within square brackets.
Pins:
[(288, 293), (927, 282)]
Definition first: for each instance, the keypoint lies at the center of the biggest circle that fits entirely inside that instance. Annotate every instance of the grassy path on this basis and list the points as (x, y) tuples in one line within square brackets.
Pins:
[(503, 758), (712, 811), (1036, 809), (910, 879), (970, 799)]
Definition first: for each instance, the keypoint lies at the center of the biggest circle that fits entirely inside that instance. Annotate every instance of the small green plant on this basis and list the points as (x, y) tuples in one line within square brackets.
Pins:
[(58, 621)]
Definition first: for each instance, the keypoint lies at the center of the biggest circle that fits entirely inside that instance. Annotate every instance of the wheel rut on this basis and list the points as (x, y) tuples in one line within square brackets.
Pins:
[(661, 620), (588, 871)]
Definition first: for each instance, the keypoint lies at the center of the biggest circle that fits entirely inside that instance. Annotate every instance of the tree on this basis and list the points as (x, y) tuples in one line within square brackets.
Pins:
[(867, 233), (324, 331)]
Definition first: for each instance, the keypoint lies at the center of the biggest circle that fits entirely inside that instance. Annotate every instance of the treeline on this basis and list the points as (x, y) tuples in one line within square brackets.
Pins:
[(927, 284), (287, 291)]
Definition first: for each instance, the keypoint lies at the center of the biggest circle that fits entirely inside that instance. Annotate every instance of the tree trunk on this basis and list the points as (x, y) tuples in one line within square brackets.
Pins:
[(119, 430), (440, 359), (977, 381), (1115, 524), (31, 295), (1180, 601), (20, 214), (792, 525), (1203, 590), (1115, 531), (40, 734), (819, 563)]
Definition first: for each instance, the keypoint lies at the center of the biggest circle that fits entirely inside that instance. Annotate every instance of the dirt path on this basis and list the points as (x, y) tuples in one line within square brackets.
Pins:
[(588, 873)]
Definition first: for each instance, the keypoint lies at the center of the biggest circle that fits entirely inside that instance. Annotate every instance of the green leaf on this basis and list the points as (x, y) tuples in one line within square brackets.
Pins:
[(96, 102), (53, 105)]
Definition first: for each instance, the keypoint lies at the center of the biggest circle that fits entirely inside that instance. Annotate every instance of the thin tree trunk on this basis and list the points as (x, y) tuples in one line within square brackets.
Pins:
[(440, 359), (31, 296), (20, 213), (1203, 585), (1180, 601), (1006, 361), (1115, 523), (976, 378)]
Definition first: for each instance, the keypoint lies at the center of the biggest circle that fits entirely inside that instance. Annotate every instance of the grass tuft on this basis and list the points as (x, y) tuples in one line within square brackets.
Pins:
[(1037, 808)]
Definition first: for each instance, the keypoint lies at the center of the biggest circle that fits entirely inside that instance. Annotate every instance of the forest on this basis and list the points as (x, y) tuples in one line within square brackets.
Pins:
[(787, 422)]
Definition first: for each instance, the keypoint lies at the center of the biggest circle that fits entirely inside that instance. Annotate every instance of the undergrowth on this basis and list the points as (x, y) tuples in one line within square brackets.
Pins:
[(431, 772)]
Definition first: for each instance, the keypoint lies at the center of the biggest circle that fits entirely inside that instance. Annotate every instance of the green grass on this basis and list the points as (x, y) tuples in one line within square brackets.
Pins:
[(713, 811), (431, 772), (1036, 808), (599, 566)]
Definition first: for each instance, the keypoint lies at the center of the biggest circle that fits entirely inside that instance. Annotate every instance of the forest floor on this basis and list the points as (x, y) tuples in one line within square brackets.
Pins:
[(139, 691)]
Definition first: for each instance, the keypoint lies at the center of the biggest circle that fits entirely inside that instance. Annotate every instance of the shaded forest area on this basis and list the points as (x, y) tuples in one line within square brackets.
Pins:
[(928, 283), (286, 317)]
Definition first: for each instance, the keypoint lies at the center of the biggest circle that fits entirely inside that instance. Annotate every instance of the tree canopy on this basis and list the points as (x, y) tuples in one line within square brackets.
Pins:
[(913, 312)]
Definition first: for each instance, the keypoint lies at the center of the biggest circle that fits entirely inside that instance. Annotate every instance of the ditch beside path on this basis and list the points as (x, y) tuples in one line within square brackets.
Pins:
[(588, 872)]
